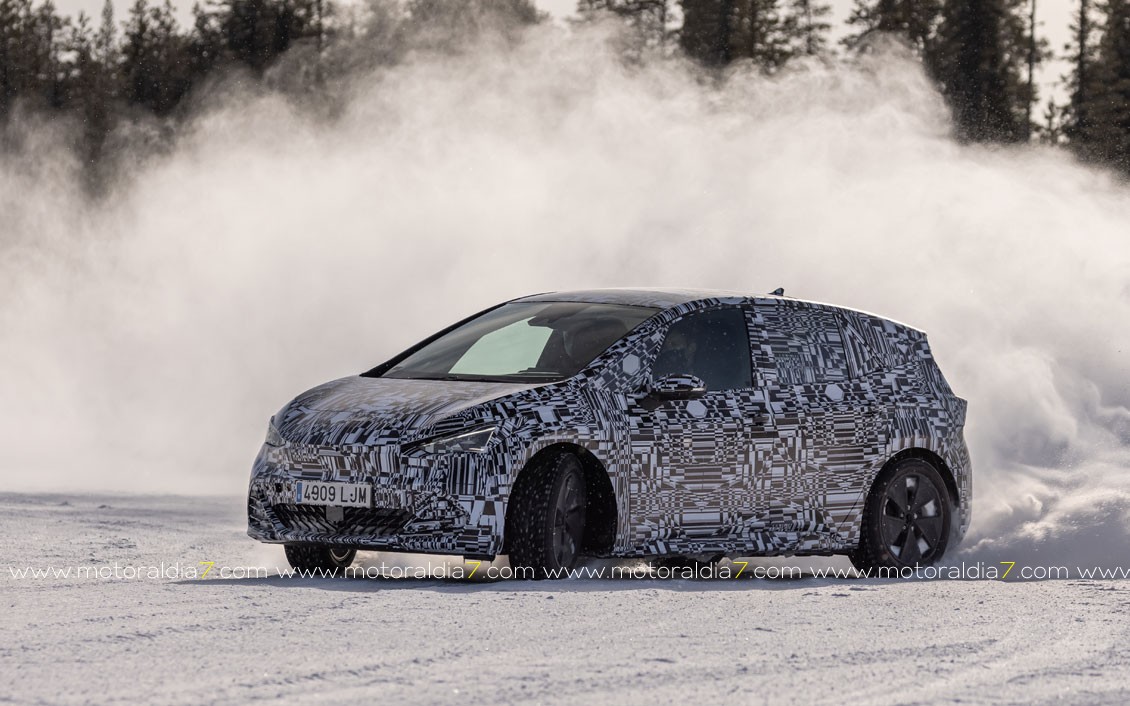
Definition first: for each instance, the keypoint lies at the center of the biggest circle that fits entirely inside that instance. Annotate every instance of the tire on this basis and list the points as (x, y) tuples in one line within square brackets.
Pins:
[(545, 520), (906, 521), (319, 559)]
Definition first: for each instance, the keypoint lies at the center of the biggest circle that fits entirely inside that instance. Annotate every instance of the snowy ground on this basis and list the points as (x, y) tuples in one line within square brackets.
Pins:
[(804, 641)]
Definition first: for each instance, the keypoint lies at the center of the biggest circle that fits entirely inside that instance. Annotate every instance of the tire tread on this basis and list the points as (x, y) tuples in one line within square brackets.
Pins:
[(866, 557), (527, 529), (310, 558)]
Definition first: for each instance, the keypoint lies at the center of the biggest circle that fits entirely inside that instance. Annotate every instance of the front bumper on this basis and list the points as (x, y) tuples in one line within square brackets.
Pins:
[(444, 504)]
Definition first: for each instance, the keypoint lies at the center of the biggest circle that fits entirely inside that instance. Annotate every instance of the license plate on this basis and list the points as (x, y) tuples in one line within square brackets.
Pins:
[(339, 494)]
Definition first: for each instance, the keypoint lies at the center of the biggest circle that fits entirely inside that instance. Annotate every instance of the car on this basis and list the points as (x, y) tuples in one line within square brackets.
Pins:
[(677, 425)]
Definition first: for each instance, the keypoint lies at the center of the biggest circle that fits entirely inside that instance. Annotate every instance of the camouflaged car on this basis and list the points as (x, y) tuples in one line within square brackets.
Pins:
[(672, 424)]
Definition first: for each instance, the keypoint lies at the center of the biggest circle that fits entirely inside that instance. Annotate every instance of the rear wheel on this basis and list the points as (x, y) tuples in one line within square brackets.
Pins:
[(545, 521), (906, 521), (319, 559)]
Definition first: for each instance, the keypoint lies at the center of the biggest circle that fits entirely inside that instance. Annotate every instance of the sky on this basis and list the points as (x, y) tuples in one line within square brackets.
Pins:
[(1055, 17)]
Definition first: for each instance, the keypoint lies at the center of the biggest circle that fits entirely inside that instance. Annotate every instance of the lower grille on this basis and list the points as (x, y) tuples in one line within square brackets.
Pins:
[(373, 522)]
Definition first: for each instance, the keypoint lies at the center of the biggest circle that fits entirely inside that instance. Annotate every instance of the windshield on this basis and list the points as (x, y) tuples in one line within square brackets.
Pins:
[(523, 342)]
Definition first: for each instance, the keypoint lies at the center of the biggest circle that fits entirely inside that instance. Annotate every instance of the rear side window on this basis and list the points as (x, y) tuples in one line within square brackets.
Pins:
[(805, 344), (712, 345)]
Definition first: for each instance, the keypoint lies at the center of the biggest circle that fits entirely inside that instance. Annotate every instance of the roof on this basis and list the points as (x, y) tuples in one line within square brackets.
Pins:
[(661, 298), (657, 298)]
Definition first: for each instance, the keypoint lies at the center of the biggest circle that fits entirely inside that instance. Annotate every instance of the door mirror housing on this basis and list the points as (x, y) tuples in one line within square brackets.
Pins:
[(678, 387)]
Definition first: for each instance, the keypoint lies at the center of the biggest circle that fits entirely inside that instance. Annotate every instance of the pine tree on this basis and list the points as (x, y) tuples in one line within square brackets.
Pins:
[(255, 32), (49, 30), (762, 33), (154, 58), (82, 72), (12, 79), (915, 21), (32, 40), (807, 27), (1024, 52), (1081, 51), (718, 32), (102, 91), (105, 42), (649, 20), (1107, 134), (977, 58), (707, 29), (205, 43), (1051, 132), (137, 61)]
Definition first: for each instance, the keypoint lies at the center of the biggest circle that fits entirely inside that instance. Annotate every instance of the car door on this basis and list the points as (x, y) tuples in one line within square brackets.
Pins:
[(824, 420), (693, 460)]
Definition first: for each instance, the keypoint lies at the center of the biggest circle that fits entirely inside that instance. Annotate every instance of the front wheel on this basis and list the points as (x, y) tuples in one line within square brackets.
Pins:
[(906, 521), (319, 559), (545, 522)]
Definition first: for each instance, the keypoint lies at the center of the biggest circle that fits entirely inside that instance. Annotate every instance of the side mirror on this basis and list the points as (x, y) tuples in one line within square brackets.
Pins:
[(678, 387)]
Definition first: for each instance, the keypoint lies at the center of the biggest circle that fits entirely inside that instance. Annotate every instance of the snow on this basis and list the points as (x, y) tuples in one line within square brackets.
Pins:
[(808, 640)]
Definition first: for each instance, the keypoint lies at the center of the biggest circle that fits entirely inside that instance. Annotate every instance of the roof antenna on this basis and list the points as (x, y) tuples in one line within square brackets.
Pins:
[(778, 292)]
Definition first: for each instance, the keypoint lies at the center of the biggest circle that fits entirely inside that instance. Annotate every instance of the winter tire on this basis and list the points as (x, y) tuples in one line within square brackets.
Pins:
[(906, 521), (545, 523), (319, 559)]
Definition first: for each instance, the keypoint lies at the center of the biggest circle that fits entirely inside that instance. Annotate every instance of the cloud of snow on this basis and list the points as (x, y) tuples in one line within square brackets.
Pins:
[(146, 339)]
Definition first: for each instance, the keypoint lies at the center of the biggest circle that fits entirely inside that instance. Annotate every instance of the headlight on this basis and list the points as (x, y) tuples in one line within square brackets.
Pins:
[(274, 438), (474, 441)]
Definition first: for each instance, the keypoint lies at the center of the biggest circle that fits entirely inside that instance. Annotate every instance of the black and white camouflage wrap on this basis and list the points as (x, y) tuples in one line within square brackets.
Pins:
[(780, 468)]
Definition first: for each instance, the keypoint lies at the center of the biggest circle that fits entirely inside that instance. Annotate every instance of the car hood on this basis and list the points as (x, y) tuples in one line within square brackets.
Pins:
[(363, 410)]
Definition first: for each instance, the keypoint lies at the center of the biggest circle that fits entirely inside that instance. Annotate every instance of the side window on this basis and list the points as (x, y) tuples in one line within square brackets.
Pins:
[(805, 344), (712, 345)]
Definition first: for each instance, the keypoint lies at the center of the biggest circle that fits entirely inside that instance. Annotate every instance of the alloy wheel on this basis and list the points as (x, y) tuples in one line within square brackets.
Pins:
[(912, 521)]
